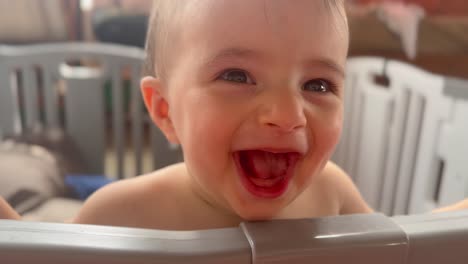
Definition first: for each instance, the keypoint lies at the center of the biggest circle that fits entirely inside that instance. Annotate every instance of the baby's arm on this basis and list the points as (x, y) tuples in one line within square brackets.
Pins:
[(462, 205), (352, 201), (6, 212), (110, 205)]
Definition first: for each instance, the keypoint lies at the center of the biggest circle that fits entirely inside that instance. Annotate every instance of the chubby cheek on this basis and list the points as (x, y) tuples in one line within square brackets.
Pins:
[(324, 130), (205, 128), (329, 136), (325, 126)]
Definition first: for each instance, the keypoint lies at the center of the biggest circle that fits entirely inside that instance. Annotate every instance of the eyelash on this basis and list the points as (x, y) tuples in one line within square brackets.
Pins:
[(224, 77), (331, 87)]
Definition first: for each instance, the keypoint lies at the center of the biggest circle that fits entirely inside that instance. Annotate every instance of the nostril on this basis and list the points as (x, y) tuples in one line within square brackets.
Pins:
[(285, 128), (272, 125), (283, 119)]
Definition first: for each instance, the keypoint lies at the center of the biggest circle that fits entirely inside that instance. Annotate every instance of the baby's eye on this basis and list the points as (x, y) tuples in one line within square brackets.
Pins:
[(237, 76), (318, 85)]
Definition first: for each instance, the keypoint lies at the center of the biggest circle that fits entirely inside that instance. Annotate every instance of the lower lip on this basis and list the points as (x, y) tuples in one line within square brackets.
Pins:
[(272, 192)]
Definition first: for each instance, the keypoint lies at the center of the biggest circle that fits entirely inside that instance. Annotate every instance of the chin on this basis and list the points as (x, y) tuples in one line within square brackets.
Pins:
[(257, 214), (255, 218)]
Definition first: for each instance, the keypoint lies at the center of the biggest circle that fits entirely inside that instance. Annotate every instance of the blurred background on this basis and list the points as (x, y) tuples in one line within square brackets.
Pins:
[(442, 32), (441, 37), (119, 21), (78, 156)]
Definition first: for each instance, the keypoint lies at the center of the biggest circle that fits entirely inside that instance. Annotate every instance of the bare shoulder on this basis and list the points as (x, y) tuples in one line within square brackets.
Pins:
[(349, 197), (130, 202)]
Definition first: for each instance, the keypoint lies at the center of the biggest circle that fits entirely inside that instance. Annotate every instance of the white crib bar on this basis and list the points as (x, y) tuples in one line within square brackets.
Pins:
[(48, 75), (137, 119), (372, 151), (396, 155), (29, 83), (416, 190), (8, 115), (453, 145), (83, 104), (373, 238), (359, 74), (118, 117), (408, 152)]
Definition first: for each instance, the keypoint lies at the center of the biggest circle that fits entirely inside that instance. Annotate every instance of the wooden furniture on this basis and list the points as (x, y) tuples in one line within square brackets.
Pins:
[(442, 45)]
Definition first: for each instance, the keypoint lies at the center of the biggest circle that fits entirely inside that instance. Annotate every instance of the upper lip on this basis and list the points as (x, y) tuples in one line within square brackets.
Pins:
[(276, 150)]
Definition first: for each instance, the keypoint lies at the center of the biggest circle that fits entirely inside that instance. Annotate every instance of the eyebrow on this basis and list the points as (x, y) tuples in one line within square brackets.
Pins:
[(232, 53), (327, 63), (240, 53)]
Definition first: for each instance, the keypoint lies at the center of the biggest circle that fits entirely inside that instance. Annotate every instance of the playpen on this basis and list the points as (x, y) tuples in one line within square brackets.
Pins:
[(82, 89), (404, 144), (404, 140)]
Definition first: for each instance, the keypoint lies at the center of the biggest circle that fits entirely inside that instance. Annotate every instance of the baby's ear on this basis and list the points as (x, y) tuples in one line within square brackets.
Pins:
[(158, 106)]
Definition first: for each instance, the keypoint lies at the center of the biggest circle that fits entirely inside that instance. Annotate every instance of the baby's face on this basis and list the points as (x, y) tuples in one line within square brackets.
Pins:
[(255, 98)]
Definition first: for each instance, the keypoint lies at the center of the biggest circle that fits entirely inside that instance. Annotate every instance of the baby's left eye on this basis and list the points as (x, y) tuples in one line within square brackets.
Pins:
[(236, 76), (317, 85)]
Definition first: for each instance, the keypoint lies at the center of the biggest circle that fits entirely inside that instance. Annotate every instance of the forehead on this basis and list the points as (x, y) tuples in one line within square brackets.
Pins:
[(284, 28)]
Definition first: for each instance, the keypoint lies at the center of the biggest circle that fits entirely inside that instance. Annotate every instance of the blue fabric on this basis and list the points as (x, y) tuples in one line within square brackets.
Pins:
[(84, 185)]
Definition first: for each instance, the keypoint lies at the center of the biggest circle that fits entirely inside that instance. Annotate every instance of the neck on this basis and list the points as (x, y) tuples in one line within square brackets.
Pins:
[(217, 214)]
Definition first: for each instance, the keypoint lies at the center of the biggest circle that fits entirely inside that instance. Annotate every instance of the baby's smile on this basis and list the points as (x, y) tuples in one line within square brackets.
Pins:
[(266, 173)]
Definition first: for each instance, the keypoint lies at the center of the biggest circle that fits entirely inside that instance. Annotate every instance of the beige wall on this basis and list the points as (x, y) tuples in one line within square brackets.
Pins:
[(26, 20)]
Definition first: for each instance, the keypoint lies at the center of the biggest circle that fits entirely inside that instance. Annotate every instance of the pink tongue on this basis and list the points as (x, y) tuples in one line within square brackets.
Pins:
[(265, 165)]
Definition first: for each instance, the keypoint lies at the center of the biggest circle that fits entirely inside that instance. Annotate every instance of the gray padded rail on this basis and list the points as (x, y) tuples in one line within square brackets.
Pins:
[(373, 238)]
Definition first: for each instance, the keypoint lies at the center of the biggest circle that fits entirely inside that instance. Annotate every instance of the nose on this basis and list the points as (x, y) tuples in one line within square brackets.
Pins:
[(283, 112)]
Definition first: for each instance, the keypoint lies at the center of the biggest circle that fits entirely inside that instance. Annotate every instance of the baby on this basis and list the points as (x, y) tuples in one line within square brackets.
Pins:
[(253, 92)]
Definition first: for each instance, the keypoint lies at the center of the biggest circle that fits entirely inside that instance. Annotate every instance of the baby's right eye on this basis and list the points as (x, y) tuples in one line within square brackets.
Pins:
[(236, 76)]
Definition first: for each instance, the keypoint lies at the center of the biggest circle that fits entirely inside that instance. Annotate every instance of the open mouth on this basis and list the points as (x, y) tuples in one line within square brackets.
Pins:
[(266, 174)]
